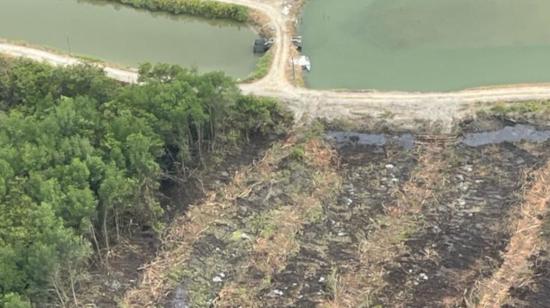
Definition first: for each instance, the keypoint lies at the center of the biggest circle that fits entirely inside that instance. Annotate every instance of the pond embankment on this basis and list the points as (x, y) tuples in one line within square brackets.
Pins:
[(121, 34)]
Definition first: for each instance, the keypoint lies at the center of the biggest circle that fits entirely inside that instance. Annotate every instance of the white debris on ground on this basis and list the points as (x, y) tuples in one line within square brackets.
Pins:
[(219, 277), (287, 7), (278, 292), (303, 62), (286, 10)]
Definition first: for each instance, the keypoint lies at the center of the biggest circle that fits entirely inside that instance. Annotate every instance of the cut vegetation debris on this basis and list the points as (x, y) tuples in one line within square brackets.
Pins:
[(525, 243), (237, 235), (364, 282), (321, 223)]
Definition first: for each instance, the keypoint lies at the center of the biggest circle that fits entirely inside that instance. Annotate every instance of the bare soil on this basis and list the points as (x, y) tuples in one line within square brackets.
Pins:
[(532, 289), (329, 247), (369, 220), (464, 232), (535, 292)]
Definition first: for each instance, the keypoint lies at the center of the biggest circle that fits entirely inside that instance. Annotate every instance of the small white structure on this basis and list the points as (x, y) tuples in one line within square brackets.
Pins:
[(304, 62)]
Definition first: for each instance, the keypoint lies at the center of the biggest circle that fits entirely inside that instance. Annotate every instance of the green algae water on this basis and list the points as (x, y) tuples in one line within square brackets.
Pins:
[(123, 35), (426, 45)]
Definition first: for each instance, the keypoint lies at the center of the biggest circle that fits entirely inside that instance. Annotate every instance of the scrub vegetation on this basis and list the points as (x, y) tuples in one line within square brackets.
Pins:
[(202, 8), (83, 159), (262, 67), (533, 110)]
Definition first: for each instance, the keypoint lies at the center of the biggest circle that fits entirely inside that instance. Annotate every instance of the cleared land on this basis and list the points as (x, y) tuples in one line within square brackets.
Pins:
[(317, 223)]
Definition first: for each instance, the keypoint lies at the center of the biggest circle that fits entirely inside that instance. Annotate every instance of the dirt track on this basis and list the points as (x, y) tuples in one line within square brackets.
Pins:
[(404, 108)]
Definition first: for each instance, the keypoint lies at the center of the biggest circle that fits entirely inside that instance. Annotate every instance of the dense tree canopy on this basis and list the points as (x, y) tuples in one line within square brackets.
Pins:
[(82, 156)]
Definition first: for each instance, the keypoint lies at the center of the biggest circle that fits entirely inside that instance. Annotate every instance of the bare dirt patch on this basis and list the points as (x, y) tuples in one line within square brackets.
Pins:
[(364, 282), (372, 176), (392, 220), (162, 274), (465, 228), (235, 261)]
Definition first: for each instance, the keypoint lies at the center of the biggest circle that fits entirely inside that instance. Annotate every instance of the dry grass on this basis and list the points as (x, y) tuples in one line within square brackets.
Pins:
[(156, 281), (319, 154), (234, 295), (358, 283), (524, 242), (261, 23), (271, 252)]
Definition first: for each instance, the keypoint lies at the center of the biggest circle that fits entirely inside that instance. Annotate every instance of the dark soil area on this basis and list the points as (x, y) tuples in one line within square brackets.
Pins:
[(222, 255), (455, 226), (179, 193), (460, 237), (107, 285), (535, 292), (371, 177), (465, 229)]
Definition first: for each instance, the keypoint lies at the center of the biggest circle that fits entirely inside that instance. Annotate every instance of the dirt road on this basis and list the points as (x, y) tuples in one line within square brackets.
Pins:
[(403, 108), (62, 60)]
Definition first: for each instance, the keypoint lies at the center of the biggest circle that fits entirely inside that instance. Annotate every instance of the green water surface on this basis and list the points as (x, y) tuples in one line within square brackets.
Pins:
[(124, 35), (426, 45)]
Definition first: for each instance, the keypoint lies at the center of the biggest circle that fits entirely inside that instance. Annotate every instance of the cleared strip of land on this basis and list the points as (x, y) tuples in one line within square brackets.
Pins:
[(63, 60)]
